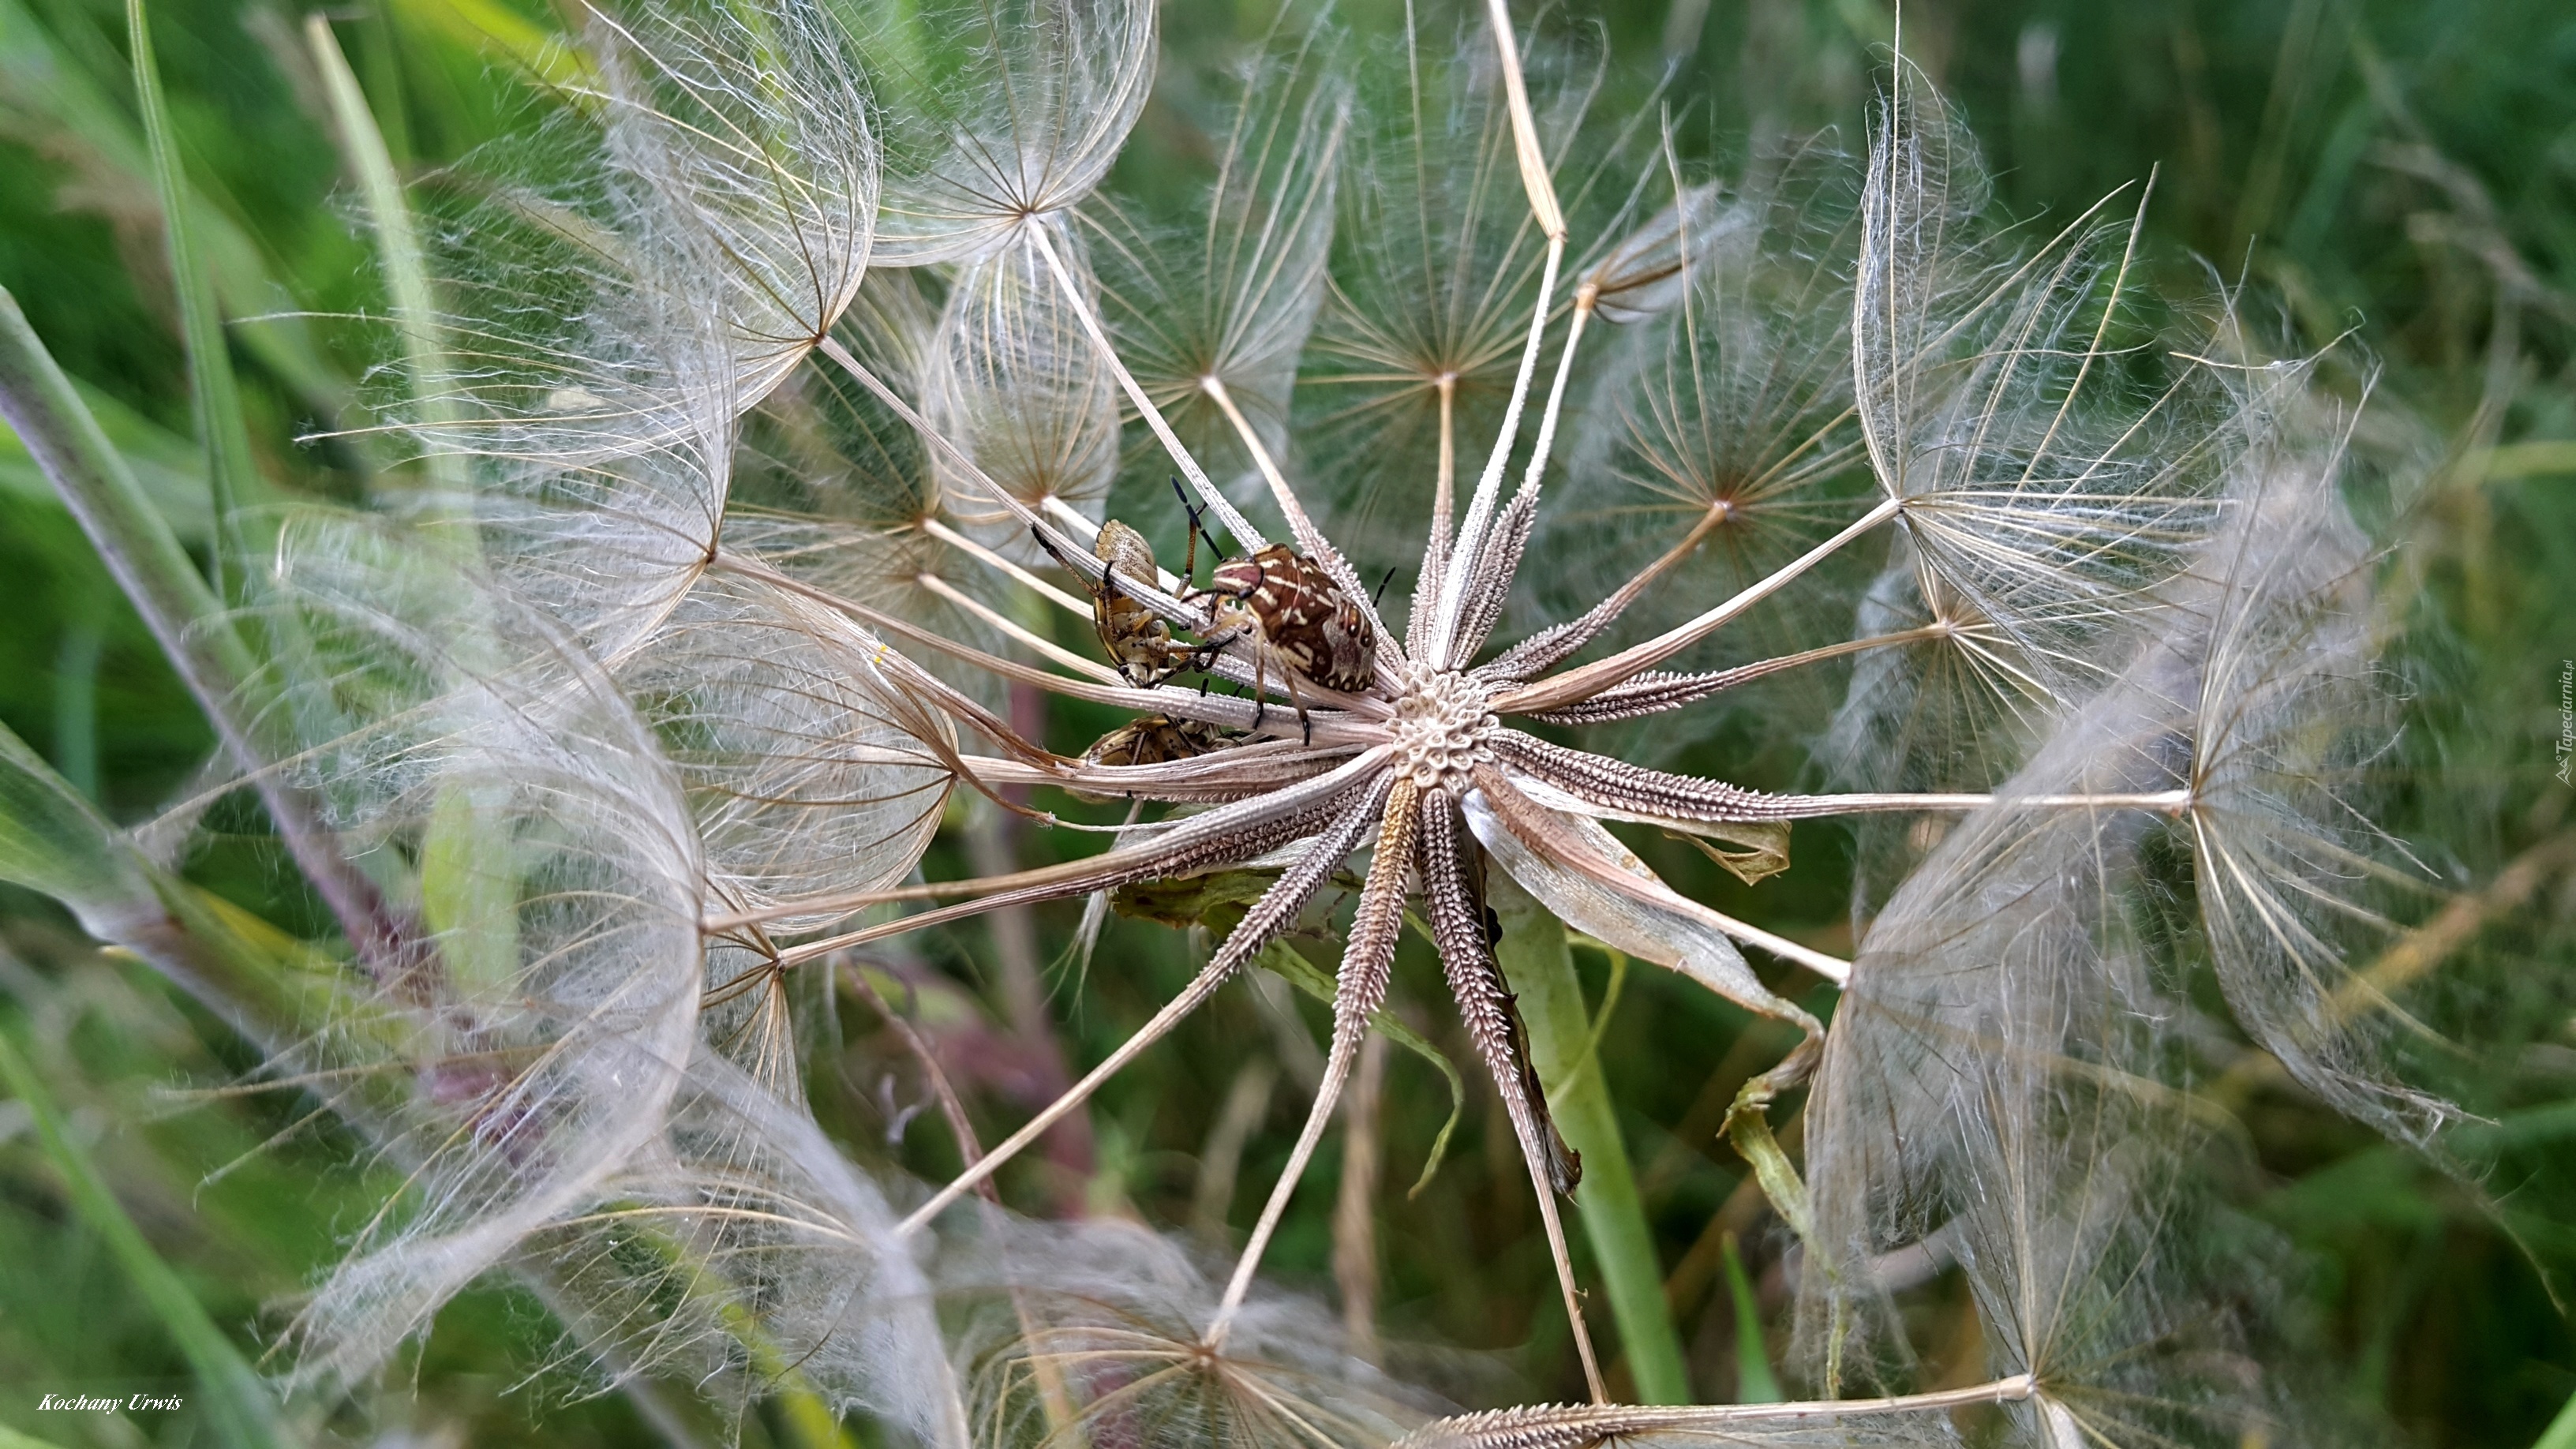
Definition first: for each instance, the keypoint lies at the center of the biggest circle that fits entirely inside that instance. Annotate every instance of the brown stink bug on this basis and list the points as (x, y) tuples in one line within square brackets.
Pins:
[(1296, 617), (1138, 640), (1154, 739)]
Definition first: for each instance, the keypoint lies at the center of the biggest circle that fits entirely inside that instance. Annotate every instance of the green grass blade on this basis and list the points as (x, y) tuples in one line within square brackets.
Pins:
[(237, 1404), (1754, 1381), (49, 85), (469, 889), (494, 29), (397, 239), (2561, 1433), (54, 841), (1538, 963), (76, 690), (166, 464), (231, 475)]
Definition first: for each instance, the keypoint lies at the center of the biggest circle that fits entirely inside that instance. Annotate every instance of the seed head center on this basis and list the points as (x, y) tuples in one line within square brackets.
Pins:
[(1441, 725)]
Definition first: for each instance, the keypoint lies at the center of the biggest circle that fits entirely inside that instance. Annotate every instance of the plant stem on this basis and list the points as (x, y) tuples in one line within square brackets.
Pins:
[(101, 492), (183, 613), (76, 691), (398, 250), (54, 840), (1536, 961), (1754, 1381)]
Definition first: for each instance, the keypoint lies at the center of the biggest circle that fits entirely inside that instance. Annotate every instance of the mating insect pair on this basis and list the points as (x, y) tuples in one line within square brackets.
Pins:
[(1291, 611)]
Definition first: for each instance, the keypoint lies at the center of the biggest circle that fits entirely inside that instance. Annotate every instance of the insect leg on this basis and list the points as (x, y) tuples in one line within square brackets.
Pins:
[(1198, 530), (1204, 653)]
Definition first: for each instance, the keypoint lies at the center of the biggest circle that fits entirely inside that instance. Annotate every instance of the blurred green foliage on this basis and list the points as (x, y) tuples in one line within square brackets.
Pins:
[(2399, 172)]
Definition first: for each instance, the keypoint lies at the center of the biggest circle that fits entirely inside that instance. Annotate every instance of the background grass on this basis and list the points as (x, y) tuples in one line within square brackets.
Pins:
[(2400, 172)]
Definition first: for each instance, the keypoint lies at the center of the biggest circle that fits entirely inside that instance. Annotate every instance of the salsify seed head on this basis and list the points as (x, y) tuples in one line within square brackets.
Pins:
[(792, 425)]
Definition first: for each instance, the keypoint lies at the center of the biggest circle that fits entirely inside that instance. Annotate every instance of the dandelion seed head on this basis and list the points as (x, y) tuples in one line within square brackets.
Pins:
[(794, 748), (1717, 442), (2005, 1086), (1434, 265), (1223, 299), (756, 135), (820, 446), (687, 227), (2293, 879)]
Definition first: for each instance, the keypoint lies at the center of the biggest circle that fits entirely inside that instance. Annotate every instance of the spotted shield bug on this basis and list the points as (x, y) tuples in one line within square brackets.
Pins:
[(1296, 617)]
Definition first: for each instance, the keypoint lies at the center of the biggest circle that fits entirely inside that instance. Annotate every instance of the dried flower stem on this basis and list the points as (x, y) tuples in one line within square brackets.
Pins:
[(1572, 1427), (1274, 912), (1558, 691), (1245, 535), (1360, 989)]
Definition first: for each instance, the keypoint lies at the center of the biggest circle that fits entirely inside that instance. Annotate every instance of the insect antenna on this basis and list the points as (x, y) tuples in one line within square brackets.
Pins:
[(1380, 596), (1064, 560), (1198, 530)]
